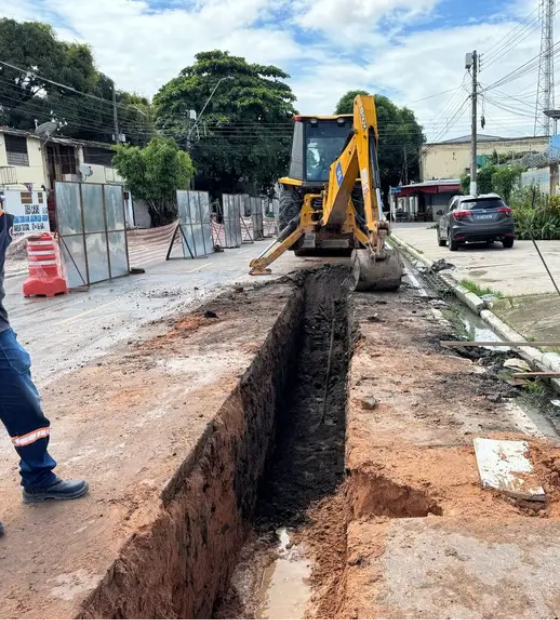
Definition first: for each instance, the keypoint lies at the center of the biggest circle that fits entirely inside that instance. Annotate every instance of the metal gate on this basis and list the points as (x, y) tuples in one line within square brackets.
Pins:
[(232, 220), (195, 222), (92, 232)]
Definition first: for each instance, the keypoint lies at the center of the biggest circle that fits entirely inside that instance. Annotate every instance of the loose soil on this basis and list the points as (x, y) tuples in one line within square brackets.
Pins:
[(221, 446), (410, 414)]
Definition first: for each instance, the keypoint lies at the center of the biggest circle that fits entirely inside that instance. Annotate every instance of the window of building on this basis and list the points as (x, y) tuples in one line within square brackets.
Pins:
[(16, 150), (98, 156)]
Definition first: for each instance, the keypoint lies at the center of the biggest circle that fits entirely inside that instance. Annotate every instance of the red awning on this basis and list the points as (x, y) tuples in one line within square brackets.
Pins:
[(427, 189)]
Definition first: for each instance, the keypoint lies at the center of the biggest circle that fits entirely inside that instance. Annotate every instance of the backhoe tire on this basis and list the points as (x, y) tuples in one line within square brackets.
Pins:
[(289, 207)]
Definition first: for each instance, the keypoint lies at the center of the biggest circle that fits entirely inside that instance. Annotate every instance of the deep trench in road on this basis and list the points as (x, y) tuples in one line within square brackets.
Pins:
[(341, 421), (299, 501)]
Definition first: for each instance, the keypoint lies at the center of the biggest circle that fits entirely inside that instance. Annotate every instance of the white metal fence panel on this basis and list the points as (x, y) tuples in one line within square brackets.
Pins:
[(195, 219), (91, 226)]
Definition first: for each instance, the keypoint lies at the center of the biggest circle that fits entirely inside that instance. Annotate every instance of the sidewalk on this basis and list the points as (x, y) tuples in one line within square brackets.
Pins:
[(529, 304)]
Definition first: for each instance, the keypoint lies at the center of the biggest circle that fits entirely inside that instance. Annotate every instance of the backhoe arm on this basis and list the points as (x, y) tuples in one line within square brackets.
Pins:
[(359, 159)]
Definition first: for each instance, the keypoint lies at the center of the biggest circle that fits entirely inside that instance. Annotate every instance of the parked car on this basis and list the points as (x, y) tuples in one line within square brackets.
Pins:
[(468, 219)]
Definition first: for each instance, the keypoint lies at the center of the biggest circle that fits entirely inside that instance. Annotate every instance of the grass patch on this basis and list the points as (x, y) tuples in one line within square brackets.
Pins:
[(536, 388), (473, 287)]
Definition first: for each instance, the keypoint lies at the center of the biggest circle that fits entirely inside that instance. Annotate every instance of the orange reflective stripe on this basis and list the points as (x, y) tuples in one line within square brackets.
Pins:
[(29, 438)]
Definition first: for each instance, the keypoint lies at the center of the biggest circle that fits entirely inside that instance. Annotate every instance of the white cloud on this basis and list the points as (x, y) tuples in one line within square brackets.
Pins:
[(355, 17), (344, 48)]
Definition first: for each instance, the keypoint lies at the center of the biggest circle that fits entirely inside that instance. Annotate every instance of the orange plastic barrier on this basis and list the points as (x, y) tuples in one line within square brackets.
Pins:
[(46, 270)]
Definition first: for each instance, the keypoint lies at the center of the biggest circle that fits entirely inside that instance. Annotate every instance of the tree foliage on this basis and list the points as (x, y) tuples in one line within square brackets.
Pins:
[(242, 141), (400, 139), (154, 174), (29, 97), (493, 178), (346, 102)]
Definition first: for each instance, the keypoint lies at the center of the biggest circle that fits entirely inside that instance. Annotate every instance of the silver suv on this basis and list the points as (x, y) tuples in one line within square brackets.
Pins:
[(485, 218)]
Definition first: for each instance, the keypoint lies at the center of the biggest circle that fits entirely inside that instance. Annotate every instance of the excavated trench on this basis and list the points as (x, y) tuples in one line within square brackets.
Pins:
[(298, 493), (263, 518), (273, 453)]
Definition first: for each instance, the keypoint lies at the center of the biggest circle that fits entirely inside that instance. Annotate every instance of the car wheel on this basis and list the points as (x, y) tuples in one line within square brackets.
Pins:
[(453, 243), (441, 242), (508, 242)]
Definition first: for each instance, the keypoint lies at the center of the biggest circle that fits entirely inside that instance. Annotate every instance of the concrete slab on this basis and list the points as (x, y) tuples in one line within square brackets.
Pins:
[(517, 271), (504, 466), (439, 568)]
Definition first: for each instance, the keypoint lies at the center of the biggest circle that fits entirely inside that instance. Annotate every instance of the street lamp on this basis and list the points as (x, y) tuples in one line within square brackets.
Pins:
[(227, 77)]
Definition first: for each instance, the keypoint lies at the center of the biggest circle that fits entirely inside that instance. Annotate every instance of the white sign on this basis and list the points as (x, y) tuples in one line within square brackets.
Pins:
[(30, 211)]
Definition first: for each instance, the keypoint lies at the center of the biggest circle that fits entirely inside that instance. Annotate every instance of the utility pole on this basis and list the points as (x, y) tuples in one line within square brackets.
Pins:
[(472, 64), (405, 165), (117, 136)]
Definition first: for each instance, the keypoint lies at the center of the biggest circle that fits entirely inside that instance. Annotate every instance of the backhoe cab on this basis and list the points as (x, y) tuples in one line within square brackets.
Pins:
[(331, 202)]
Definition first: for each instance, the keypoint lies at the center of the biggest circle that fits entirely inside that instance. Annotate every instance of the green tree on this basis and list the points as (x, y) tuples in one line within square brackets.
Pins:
[(504, 180), (242, 141), (31, 96), (483, 180), (400, 139), (154, 174), (346, 102), (491, 178)]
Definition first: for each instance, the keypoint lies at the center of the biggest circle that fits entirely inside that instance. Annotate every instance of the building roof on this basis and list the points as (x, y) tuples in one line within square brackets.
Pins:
[(56, 139), (486, 138), (481, 137), (434, 186)]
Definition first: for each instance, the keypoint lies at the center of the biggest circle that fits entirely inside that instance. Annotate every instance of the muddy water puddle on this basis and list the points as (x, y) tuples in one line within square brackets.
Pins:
[(284, 591)]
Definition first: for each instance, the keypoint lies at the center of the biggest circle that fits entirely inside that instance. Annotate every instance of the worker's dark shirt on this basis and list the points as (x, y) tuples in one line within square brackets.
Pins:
[(6, 224)]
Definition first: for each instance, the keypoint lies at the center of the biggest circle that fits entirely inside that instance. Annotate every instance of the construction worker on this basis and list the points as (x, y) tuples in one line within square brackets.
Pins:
[(20, 406)]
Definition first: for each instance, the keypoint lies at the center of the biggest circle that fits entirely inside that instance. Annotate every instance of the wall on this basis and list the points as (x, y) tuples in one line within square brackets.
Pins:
[(449, 161), (539, 178), (101, 173), (35, 172)]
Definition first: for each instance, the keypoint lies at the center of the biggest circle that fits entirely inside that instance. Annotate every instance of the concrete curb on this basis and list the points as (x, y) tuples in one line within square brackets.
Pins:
[(544, 361)]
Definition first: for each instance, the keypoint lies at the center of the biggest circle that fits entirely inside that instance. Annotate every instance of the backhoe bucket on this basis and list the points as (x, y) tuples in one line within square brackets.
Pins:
[(372, 274)]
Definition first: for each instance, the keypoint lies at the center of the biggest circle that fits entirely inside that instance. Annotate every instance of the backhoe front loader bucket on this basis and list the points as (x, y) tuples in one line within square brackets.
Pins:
[(376, 274)]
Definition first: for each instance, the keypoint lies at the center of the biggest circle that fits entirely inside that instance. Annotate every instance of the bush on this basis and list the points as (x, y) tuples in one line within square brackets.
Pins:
[(541, 220)]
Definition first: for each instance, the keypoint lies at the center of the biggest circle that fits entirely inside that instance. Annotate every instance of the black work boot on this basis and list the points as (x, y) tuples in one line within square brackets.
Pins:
[(61, 489)]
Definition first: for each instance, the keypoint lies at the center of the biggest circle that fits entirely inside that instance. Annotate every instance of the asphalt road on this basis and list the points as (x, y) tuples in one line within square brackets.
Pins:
[(67, 331)]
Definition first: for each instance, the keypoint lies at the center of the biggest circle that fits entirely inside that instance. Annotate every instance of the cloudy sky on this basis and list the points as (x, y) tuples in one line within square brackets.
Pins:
[(410, 50)]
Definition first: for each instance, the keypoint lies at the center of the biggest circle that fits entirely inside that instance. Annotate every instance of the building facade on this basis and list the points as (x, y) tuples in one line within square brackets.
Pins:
[(450, 159), (26, 158)]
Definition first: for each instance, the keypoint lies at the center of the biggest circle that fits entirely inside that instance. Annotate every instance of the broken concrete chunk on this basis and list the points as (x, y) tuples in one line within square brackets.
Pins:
[(516, 364), (369, 403), (503, 465)]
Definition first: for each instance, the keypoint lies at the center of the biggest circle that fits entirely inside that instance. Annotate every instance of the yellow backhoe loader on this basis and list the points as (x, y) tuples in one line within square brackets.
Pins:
[(331, 201)]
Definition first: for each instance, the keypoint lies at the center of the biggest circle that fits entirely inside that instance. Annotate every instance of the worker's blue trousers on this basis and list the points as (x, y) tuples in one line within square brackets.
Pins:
[(21, 414)]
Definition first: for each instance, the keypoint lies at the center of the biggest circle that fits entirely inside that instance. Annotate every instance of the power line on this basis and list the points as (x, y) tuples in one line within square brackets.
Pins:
[(510, 40), (64, 86)]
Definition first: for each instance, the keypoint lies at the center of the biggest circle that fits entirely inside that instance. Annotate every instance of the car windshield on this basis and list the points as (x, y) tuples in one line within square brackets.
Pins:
[(324, 143), (481, 203)]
